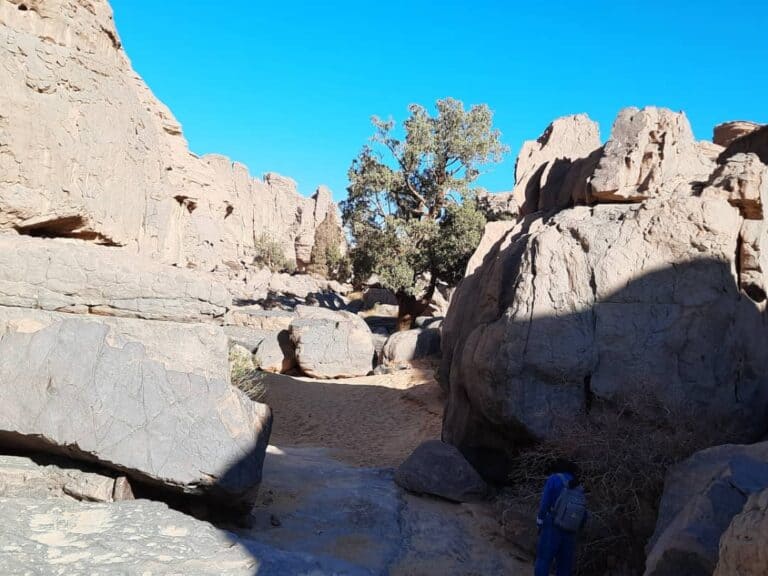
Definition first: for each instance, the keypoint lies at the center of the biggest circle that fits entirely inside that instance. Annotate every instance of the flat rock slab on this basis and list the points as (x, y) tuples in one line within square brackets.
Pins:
[(440, 469), (66, 387), (312, 504), (72, 276)]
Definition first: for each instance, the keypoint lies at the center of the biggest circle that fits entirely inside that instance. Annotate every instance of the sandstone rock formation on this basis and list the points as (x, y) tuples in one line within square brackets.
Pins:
[(727, 132), (701, 498), (331, 344), (551, 171), (439, 469), (71, 389), (498, 206), (755, 142), (71, 276), (130, 181), (651, 152), (744, 546), (21, 477), (638, 303)]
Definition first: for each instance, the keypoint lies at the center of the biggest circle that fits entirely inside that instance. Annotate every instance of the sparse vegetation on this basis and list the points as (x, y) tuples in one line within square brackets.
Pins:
[(411, 208), (244, 376), (624, 456), (327, 259), (269, 253)]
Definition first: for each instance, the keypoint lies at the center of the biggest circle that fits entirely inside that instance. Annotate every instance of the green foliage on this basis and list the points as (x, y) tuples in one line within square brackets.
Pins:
[(410, 208), (327, 258), (269, 253)]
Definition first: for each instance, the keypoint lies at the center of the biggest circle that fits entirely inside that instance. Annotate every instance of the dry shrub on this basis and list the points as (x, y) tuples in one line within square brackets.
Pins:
[(243, 375), (624, 451)]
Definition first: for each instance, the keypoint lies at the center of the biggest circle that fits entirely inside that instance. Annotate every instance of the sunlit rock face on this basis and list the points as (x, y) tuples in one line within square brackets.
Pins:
[(88, 152), (651, 294)]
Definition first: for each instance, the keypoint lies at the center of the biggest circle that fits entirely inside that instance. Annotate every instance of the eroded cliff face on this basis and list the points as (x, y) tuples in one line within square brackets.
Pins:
[(87, 151), (642, 285)]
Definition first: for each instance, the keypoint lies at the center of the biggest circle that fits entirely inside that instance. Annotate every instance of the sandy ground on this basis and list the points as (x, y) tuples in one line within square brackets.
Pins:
[(371, 421)]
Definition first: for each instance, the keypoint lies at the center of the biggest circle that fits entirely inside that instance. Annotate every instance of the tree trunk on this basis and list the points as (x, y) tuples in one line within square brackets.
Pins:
[(409, 307)]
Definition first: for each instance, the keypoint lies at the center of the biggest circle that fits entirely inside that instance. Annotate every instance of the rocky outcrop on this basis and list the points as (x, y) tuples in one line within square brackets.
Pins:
[(439, 469), (744, 546), (498, 206), (331, 344), (551, 171), (702, 496), (75, 277), (651, 153), (408, 345), (743, 181), (22, 477), (538, 332), (131, 181), (724, 134), (79, 388), (755, 142)]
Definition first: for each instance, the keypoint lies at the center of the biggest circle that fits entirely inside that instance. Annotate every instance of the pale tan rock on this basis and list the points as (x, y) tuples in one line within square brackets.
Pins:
[(498, 206), (74, 276), (493, 233), (744, 546), (753, 259), (88, 152), (543, 165), (724, 134), (743, 181), (550, 308), (331, 344), (651, 153)]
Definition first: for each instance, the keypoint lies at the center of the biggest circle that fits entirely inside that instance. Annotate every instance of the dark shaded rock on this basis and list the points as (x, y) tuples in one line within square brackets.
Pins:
[(439, 469)]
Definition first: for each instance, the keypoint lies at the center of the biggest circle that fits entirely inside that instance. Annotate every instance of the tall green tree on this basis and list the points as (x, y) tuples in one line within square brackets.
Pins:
[(410, 206)]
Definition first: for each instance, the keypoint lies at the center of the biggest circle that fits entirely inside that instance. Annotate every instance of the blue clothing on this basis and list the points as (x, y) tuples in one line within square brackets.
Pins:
[(555, 545)]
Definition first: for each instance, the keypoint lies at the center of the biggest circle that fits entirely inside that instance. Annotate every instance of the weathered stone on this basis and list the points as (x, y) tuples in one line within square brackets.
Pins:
[(136, 537), (651, 153), (276, 353), (493, 233), (439, 469), (724, 134), (559, 154), (755, 142), (408, 345), (131, 180), (753, 259), (743, 181), (258, 319), (744, 546), (73, 276), (701, 498), (20, 477), (118, 406), (184, 347), (498, 205), (540, 328), (331, 344)]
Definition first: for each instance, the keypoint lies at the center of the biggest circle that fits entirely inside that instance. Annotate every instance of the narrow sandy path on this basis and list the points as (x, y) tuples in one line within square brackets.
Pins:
[(372, 421)]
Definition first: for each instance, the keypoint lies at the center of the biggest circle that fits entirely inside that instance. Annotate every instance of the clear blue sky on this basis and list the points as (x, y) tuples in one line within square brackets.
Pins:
[(290, 86)]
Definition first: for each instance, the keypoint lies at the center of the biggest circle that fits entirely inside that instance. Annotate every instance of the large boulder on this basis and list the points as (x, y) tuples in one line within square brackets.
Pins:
[(744, 546), (407, 345), (331, 344), (701, 498), (615, 304), (76, 385), (742, 180), (439, 469), (73, 276), (498, 206), (756, 142), (651, 152), (551, 171)]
